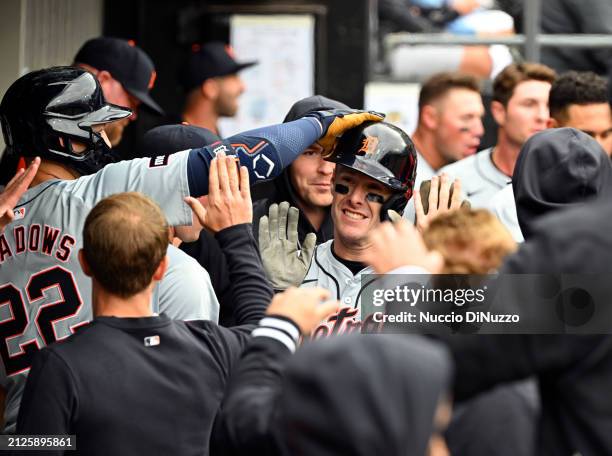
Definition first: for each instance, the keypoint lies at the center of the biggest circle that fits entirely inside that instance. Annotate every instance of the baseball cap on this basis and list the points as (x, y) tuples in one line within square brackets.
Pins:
[(168, 139), (126, 62), (315, 103), (210, 60)]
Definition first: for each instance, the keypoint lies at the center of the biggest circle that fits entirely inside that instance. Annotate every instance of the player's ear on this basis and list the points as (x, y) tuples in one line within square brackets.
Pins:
[(210, 88), (552, 123), (498, 111), (161, 269), (83, 262), (429, 116), (104, 78)]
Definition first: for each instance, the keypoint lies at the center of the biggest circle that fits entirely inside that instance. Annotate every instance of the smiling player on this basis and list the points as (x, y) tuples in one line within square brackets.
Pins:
[(375, 172)]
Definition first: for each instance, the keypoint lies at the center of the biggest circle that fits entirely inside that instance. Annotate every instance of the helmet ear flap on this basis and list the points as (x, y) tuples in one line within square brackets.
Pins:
[(396, 202)]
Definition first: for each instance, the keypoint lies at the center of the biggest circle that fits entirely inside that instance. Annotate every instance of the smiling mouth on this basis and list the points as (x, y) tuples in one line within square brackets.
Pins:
[(353, 215)]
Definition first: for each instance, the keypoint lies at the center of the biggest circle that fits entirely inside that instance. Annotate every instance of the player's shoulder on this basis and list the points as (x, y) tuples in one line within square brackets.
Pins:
[(321, 262), (464, 166), (503, 197), (183, 263), (323, 252), (74, 345), (203, 331)]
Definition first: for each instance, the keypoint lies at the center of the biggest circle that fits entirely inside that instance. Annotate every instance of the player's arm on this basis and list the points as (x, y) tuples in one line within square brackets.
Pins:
[(266, 151), (228, 212), (244, 424), (49, 400)]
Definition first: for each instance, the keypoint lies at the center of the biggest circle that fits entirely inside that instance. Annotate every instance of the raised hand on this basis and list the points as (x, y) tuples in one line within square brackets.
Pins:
[(306, 307), (435, 197), (336, 121), (228, 201), (399, 244), (284, 263), (13, 191)]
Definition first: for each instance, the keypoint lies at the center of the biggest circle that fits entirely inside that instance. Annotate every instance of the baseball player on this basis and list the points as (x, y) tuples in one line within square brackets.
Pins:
[(520, 109), (375, 172), (157, 363), (59, 113)]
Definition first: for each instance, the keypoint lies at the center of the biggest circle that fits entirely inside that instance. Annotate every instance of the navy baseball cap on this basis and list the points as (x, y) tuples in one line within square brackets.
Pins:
[(210, 60), (168, 139), (314, 103), (126, 62)]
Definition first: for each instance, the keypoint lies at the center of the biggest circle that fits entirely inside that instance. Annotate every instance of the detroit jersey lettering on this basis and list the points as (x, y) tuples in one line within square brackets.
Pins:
[(327, 272)]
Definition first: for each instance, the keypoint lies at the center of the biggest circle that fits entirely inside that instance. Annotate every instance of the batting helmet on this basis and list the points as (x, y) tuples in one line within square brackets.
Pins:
[(383, 152), (43, 111)]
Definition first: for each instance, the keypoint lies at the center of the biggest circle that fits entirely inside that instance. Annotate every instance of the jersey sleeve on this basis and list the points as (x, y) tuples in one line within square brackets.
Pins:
[(265, 151), (163, 179), (244, 424), (186, 293), (49, 401)]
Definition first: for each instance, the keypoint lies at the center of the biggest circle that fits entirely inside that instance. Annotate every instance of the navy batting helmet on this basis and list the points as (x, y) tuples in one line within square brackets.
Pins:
[(43, 111), (383, 152)]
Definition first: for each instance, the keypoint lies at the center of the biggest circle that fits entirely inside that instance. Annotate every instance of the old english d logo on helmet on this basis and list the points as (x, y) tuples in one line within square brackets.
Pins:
[(368, 145), (384, 153)]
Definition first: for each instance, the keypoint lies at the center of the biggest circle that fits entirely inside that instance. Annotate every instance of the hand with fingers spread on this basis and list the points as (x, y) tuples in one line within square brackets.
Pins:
[(13, 191), (436, 197), (399, 244), (284, 263), (306, 307), (228, 202)]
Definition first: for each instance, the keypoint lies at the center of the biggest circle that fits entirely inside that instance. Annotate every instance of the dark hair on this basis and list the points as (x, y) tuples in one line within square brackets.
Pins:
[(511, 76), (440, 84), (575, 87)]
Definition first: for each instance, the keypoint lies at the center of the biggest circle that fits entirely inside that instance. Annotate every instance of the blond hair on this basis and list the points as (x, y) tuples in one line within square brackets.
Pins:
[(125, 238), (472, 241)]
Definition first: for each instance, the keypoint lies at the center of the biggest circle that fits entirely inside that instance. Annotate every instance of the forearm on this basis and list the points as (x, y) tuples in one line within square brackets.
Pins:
[(251, 293), (243, 425), (264, 151)]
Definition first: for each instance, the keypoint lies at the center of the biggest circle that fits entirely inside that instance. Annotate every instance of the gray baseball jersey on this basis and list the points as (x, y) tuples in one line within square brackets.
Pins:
[(424, 172), (504, 207), (355, 314), (327, 272), (480, 178), (185, 292), (44, 295)]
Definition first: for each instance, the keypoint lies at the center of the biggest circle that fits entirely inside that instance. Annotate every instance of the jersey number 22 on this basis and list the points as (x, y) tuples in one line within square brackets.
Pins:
[(68, 305)]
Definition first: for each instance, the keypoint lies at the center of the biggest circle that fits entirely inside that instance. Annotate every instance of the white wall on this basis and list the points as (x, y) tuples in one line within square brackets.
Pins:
[(36, 34)]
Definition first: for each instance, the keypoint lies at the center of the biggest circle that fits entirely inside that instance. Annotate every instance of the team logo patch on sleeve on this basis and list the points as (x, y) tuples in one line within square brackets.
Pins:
[(221, 148), (160, 161), (19, 213)]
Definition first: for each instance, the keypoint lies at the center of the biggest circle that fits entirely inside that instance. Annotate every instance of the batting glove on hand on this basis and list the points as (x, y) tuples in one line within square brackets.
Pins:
[(336, 121), (285, 265)]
